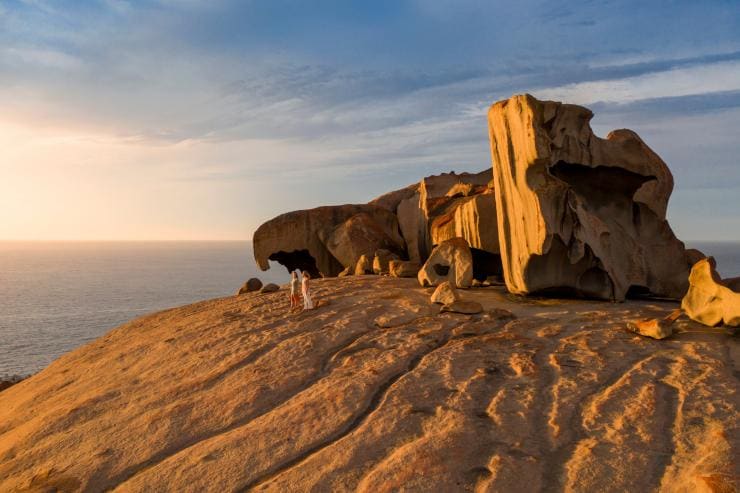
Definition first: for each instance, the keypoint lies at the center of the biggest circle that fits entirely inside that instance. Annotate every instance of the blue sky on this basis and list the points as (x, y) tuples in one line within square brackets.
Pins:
[(201, 119)]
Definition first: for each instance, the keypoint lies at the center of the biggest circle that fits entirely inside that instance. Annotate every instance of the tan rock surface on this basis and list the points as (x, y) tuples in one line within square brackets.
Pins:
[(445, 294), (579, 213), (233, 395), (381, 260), (364, 266), (416, 212), (470, 218), (361, 235), (450, 261), (403, 268), (710, 300), (300, 239)]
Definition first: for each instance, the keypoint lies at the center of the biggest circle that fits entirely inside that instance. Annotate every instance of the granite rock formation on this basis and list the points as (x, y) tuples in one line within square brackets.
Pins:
[(408, 223), (234, 394), (578, 214), (325, 240), (710, 300), (450, 261)]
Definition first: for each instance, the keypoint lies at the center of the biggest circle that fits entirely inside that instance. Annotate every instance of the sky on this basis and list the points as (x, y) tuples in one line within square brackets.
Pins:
[(201, 119)]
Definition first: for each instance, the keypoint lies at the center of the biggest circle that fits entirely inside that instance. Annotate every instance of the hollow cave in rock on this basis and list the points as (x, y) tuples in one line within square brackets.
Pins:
[(486, 264), (600, 185), (297, 259)]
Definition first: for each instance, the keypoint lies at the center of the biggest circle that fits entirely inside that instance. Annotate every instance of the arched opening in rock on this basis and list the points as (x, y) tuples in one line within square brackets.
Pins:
[(441, 270), (601, 186), (297, 259), (486, 264), (637, 292)]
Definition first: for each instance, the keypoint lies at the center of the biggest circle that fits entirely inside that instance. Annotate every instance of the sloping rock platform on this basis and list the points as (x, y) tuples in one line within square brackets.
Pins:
[(377, 391)]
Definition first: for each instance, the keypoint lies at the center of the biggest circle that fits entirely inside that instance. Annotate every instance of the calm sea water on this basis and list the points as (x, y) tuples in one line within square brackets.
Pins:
[(55, 297)]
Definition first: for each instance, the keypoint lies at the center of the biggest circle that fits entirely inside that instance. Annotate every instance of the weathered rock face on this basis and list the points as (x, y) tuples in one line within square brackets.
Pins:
[(450, 261), (408, 222), (360, 235), (325, 240), (577, 213), (710, 300), (470, 218), (381, 260), (403, 268), (438, 195)]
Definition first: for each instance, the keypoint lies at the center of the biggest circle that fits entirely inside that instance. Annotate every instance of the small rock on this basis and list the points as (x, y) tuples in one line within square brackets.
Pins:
[(445, 294), (657, 329), (403, 268), (251, 285), (381, 261), (348, 271), (465, 307), (363, 266), (270, 288)]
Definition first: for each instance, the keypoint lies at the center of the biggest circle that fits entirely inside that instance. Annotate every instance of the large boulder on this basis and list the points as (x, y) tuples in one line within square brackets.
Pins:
[(710, 300), (579, 214), (360, 235), (450, 261), (469, 217), (270, 288), (252, 284), (326, 240), (431, 198)]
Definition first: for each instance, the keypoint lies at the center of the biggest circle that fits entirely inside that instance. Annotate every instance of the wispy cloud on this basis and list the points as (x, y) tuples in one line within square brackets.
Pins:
[(366, 96)]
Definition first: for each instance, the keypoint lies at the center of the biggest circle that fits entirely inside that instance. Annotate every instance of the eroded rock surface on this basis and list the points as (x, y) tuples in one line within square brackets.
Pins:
[(403, 268), (445, 294), (580, 214), (408, 222), (325, 240), (710, 300), (233, 395)]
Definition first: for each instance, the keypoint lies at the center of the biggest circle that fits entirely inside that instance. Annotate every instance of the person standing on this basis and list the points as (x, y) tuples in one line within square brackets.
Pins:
[(307, 300), (295, 288)]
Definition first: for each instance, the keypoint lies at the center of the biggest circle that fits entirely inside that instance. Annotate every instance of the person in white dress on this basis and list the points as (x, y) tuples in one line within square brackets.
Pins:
[(306, 289), (295, 291)]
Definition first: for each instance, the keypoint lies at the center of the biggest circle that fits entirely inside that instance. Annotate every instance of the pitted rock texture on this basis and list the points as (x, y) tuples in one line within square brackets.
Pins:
[(233, 395), (578, 214)]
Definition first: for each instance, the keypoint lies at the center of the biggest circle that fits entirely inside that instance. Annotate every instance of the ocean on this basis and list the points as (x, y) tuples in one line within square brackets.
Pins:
[(56, 296)]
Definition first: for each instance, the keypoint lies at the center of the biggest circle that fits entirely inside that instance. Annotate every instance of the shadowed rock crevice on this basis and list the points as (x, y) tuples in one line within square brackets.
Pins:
[(298, 259), (486, 264), (600, 186)]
